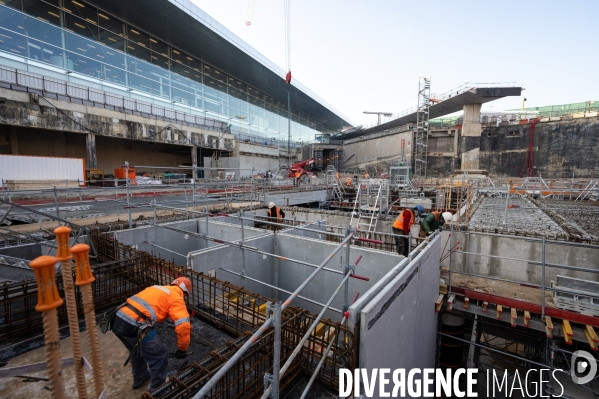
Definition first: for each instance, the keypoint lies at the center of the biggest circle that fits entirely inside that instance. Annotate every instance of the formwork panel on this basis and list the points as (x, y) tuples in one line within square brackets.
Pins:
[(398, 327), (144, 239), (258, 266), (374, 264)]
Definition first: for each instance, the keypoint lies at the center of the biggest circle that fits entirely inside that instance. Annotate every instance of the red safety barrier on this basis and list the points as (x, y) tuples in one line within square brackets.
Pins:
[(360, 277)]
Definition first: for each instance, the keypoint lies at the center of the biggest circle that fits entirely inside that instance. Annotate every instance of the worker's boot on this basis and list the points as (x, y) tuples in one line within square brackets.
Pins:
[(139, 381)]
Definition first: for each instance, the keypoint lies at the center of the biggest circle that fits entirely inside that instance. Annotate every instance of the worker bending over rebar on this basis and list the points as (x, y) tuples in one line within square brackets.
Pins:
[(402, 225), (434, 221), (134, 324)]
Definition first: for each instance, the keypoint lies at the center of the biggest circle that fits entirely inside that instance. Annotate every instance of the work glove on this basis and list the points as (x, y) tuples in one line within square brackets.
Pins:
[(181, 354)]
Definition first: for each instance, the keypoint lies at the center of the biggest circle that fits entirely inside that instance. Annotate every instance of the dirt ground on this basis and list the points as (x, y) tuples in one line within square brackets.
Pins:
[(118, 379)]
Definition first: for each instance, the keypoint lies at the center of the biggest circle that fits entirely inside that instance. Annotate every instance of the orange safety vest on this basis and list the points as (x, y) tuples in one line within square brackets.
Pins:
[(277, 213), (366, 175), (437, 214), (157, 303), (348, 181), (399, 220)]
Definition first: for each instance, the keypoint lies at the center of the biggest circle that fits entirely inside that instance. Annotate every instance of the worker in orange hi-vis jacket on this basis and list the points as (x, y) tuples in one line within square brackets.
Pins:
[(402, 225), (134, 323), (366, 175)]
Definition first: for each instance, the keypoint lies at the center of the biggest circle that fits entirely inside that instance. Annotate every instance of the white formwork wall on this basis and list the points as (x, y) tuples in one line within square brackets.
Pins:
[(21, 167), (398, 327)]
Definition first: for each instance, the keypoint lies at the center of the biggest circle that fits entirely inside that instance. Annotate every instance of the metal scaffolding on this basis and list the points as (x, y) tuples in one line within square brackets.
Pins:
[(422, 127)]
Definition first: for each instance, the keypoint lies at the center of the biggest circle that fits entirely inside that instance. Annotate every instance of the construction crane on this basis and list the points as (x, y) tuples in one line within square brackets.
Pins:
[(250, 13)]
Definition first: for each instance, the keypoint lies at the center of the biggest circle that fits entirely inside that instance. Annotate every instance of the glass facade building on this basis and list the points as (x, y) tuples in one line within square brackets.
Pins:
[(79, 39)]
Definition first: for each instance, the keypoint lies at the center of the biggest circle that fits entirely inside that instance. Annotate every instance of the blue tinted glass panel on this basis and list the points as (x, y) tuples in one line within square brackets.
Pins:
[(160, 66), (43, 31), (141, 83), (12, 43), (182, 96), (84, 65), (10, 19), (112, 40), (114, 75), (112, 57), (44, 52), (139, 67)]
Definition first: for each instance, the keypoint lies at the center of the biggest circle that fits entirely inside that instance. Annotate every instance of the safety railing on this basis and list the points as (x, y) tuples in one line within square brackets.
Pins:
[(67, 91)]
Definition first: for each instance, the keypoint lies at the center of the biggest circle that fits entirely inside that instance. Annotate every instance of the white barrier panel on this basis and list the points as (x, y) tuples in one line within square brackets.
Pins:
[(20, 167), (398, 328)]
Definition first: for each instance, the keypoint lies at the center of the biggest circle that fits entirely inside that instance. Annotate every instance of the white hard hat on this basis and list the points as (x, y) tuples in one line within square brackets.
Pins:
[(271, 205), (447, 216)]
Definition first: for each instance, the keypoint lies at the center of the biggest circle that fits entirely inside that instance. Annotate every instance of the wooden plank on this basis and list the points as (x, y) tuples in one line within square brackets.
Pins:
[(531, 307), (567, 328), (592, 333), (526, 318), (592, 343), (514, 314), (485, 305), (466, 302), (450, 302), (498, 312), (567, 332), (439, 302)]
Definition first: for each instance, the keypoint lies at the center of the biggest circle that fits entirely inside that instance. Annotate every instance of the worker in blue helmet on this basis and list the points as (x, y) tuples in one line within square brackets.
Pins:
[(401, 227)]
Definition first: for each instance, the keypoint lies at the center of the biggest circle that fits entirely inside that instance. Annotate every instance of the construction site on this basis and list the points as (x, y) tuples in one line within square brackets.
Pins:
[(113, 184)]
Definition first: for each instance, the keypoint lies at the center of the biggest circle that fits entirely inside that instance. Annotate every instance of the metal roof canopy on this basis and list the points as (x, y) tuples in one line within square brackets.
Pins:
[(479, 95), (170, 22)]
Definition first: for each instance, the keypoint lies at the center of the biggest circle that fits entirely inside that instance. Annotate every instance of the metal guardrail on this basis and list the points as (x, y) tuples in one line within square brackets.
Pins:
[(62, 90)]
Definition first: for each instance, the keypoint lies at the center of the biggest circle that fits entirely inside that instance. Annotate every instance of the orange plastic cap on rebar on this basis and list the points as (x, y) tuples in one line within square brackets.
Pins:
[(47, 292), (83, 269), (62, 239)]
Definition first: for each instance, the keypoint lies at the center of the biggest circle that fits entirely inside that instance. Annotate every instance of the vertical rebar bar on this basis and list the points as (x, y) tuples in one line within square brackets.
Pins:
[(84, 280), (63, 255), (48, 301)]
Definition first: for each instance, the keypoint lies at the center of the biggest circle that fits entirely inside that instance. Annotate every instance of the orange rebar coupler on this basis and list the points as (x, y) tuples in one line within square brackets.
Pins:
[(47, 296)]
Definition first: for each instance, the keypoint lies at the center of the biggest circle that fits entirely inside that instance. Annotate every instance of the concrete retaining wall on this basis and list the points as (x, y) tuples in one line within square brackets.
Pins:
[(520, 248)]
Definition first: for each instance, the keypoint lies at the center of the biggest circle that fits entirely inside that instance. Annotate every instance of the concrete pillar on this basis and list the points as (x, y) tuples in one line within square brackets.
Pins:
[(471, 125), (92, 159), (471, 131), (194, 162), (14, 144)]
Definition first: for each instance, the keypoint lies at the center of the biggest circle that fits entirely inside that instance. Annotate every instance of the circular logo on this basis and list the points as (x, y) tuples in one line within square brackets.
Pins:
[(583, 367)]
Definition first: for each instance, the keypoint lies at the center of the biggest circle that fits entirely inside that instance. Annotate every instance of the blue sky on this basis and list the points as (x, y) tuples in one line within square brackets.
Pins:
[(367, 55)]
